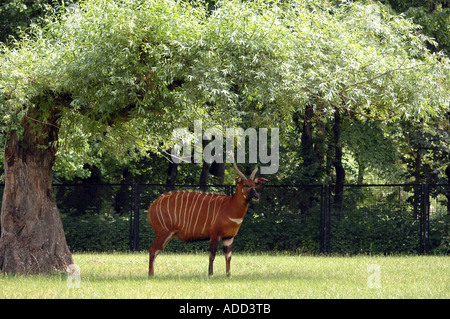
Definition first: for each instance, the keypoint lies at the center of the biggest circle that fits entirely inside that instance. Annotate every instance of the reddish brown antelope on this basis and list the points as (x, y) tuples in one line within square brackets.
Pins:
[(194, 216)]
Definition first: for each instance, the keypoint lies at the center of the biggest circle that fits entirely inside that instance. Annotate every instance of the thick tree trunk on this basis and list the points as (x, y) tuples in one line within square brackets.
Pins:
[(32, 237)]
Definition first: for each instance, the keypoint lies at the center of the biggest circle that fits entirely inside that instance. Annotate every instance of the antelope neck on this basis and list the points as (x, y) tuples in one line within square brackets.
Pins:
[(241, 203)]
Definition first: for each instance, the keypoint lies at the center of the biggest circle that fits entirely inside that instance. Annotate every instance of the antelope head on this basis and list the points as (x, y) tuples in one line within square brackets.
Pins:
[(248, 185)]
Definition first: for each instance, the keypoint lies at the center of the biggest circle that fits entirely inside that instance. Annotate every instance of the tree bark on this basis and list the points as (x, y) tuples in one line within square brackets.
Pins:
[(309, 161), (32, 237), (307, 132), (337, 162), (447, 172), (418, 170), (172, 172), (204, 175), (218, 170)]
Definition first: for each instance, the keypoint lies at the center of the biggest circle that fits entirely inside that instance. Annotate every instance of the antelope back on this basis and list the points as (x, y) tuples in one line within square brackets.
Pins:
[(190, 215)]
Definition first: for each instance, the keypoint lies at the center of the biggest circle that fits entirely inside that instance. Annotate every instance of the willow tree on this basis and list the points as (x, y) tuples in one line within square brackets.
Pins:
[(123, 74), (362, 62)]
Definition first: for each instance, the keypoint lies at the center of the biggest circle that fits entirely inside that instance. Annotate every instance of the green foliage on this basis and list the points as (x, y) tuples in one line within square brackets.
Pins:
[(276, 223), (17, 15), (128, 74), (435, 24), (425, 149), (375, 230), (118, 61), (96, 232), (402, 5), (371, 146)]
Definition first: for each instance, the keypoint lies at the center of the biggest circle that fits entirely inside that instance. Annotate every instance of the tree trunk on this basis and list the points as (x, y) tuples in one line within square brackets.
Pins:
[(418, 170), (172, 173), (337, 162), (32, 237), (218, 170), (307, 133), (447, 172), (306, 200), (204, 175)]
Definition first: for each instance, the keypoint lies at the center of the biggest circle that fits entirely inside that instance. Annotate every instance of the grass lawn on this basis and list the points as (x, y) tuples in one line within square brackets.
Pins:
[(253, 276)]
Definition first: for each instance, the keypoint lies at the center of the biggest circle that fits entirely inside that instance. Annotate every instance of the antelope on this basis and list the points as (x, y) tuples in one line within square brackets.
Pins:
[(194, 216)]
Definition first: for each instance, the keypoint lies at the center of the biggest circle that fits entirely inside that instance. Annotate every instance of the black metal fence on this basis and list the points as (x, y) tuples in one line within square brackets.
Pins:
[(369, 219)]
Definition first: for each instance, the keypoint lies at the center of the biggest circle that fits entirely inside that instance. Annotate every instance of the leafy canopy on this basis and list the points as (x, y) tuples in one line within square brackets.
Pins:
[(129, 71)]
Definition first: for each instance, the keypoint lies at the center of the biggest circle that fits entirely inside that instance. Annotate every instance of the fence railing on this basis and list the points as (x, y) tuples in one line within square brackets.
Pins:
[(394, 218)]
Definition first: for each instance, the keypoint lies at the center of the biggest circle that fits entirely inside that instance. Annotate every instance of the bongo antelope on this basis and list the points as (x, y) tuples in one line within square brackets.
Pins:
[(194, 216)]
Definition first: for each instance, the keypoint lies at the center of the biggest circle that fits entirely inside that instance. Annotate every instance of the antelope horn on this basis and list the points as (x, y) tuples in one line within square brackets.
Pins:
[(252, 176), (240, 174)]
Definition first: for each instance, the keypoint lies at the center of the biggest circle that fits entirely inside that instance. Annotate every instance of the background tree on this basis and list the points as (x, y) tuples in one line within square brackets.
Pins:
[(17, 15), (366, 66)]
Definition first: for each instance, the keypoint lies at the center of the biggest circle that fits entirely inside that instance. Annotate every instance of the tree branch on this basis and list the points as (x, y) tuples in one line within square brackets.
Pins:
[(341, 93), (377, 77), (345, 108), (40, 122)]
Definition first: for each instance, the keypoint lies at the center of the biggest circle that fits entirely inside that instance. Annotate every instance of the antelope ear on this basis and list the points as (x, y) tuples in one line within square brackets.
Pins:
[(238, 180), (260, 182)]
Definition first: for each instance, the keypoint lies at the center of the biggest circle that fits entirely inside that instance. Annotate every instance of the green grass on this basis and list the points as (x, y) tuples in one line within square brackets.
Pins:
[(253, 276)]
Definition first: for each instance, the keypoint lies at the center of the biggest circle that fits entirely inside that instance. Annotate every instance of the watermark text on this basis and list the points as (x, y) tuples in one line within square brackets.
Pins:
[(258, 147)]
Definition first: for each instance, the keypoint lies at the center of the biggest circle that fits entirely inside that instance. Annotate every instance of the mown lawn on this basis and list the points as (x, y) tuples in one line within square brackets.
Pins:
[(253, 276)]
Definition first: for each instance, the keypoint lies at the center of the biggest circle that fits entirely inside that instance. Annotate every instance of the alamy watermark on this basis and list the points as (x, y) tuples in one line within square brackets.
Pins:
[(74, 277), (258, 150), (374, 278)]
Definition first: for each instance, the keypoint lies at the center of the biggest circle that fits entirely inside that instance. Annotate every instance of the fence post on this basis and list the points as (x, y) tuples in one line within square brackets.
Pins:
[(137, 197), (425, 219), (325, 221), (328, 220), (131, 235)]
